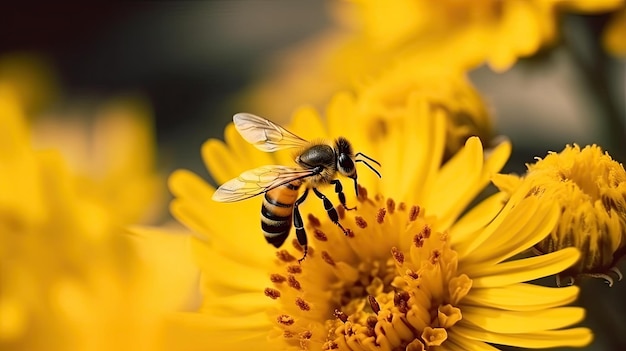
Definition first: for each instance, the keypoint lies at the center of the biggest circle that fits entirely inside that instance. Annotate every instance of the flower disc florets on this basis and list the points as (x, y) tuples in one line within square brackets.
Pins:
[(391, 283)]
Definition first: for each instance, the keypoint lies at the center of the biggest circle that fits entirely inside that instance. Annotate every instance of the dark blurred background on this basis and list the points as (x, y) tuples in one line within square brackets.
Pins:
[(191, 59)]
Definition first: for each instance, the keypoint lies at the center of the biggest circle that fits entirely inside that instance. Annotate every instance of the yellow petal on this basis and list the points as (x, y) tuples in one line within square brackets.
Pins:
[(516, 297), (512, 238), (506, 182), (523, 270), (512, 322), (451, 191), (575, 337), (477, 218)]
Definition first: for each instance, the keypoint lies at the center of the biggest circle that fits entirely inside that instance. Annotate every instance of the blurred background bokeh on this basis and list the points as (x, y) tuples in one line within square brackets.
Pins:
[(194, 64)]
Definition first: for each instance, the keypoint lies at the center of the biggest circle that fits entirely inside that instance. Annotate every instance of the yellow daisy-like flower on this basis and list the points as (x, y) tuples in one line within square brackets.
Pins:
[(409, 275), (72, 278), (590, 189), (389, 98), (498, 32)]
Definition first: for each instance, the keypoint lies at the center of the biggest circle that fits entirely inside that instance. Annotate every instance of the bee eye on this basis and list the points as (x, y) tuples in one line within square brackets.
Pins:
[(345, 163)]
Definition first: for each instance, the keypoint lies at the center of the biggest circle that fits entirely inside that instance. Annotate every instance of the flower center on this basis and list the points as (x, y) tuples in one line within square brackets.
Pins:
[(391, 283)]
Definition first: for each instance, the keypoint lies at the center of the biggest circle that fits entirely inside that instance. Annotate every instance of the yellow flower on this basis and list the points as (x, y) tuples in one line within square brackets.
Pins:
[(112, 155), (498, 32), (372, 37), (590, 189), (446, 90), (409, 274), (72, 278), (389, 96)]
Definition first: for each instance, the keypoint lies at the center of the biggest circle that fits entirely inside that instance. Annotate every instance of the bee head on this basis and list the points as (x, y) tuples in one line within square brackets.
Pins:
[(345, 158)]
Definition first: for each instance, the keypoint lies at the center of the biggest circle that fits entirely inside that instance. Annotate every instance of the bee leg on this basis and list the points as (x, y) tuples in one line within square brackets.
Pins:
[(342, 196), (330, 209), (299, 224)]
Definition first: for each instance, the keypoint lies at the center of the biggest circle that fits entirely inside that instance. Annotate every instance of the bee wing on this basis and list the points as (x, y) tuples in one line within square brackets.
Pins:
[(265, 135), (257, 181)]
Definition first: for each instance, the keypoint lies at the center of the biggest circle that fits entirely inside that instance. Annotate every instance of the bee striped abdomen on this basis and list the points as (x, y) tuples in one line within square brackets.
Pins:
[(277, 211)]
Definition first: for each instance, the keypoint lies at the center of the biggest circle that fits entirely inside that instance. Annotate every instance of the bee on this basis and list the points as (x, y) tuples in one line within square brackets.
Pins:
[(317, 164)]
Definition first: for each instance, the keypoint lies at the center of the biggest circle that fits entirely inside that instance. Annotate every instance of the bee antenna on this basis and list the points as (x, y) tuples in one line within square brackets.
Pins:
[(370, 166), (367, 157)]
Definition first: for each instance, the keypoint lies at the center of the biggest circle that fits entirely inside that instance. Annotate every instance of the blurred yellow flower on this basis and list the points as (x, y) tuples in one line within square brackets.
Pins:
[(412, 273), (590, 189), (112, 156), (492, 31), (372, 37), (72, 278), (388, 97)]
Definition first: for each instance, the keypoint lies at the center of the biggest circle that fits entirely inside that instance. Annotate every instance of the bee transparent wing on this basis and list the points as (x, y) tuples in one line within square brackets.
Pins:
[(257, 181), (265, 135)]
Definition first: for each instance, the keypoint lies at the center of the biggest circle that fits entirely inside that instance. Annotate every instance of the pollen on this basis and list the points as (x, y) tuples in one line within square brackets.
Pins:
[(362, 193), (296, 245), (418, 240), (401, 300), (380, 216), (272, 293), (293, 282), (327, 258), (434, 256), (411, 273), (285, 256), (414, 212), (277, 278), (391, 206), (319, 235), (341, 316), (397, 255), (371, 322), (373, 304), (285, 319), (313, 221), (360, 222), (303, 305), (294, 269), (341, 212)]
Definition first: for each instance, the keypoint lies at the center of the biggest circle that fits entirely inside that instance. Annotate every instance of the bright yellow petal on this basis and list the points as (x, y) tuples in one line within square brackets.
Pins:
[(516, 297), (477, 218), (451, 194), (518, 322), (576, 337), (523, 270), (512, 238)]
